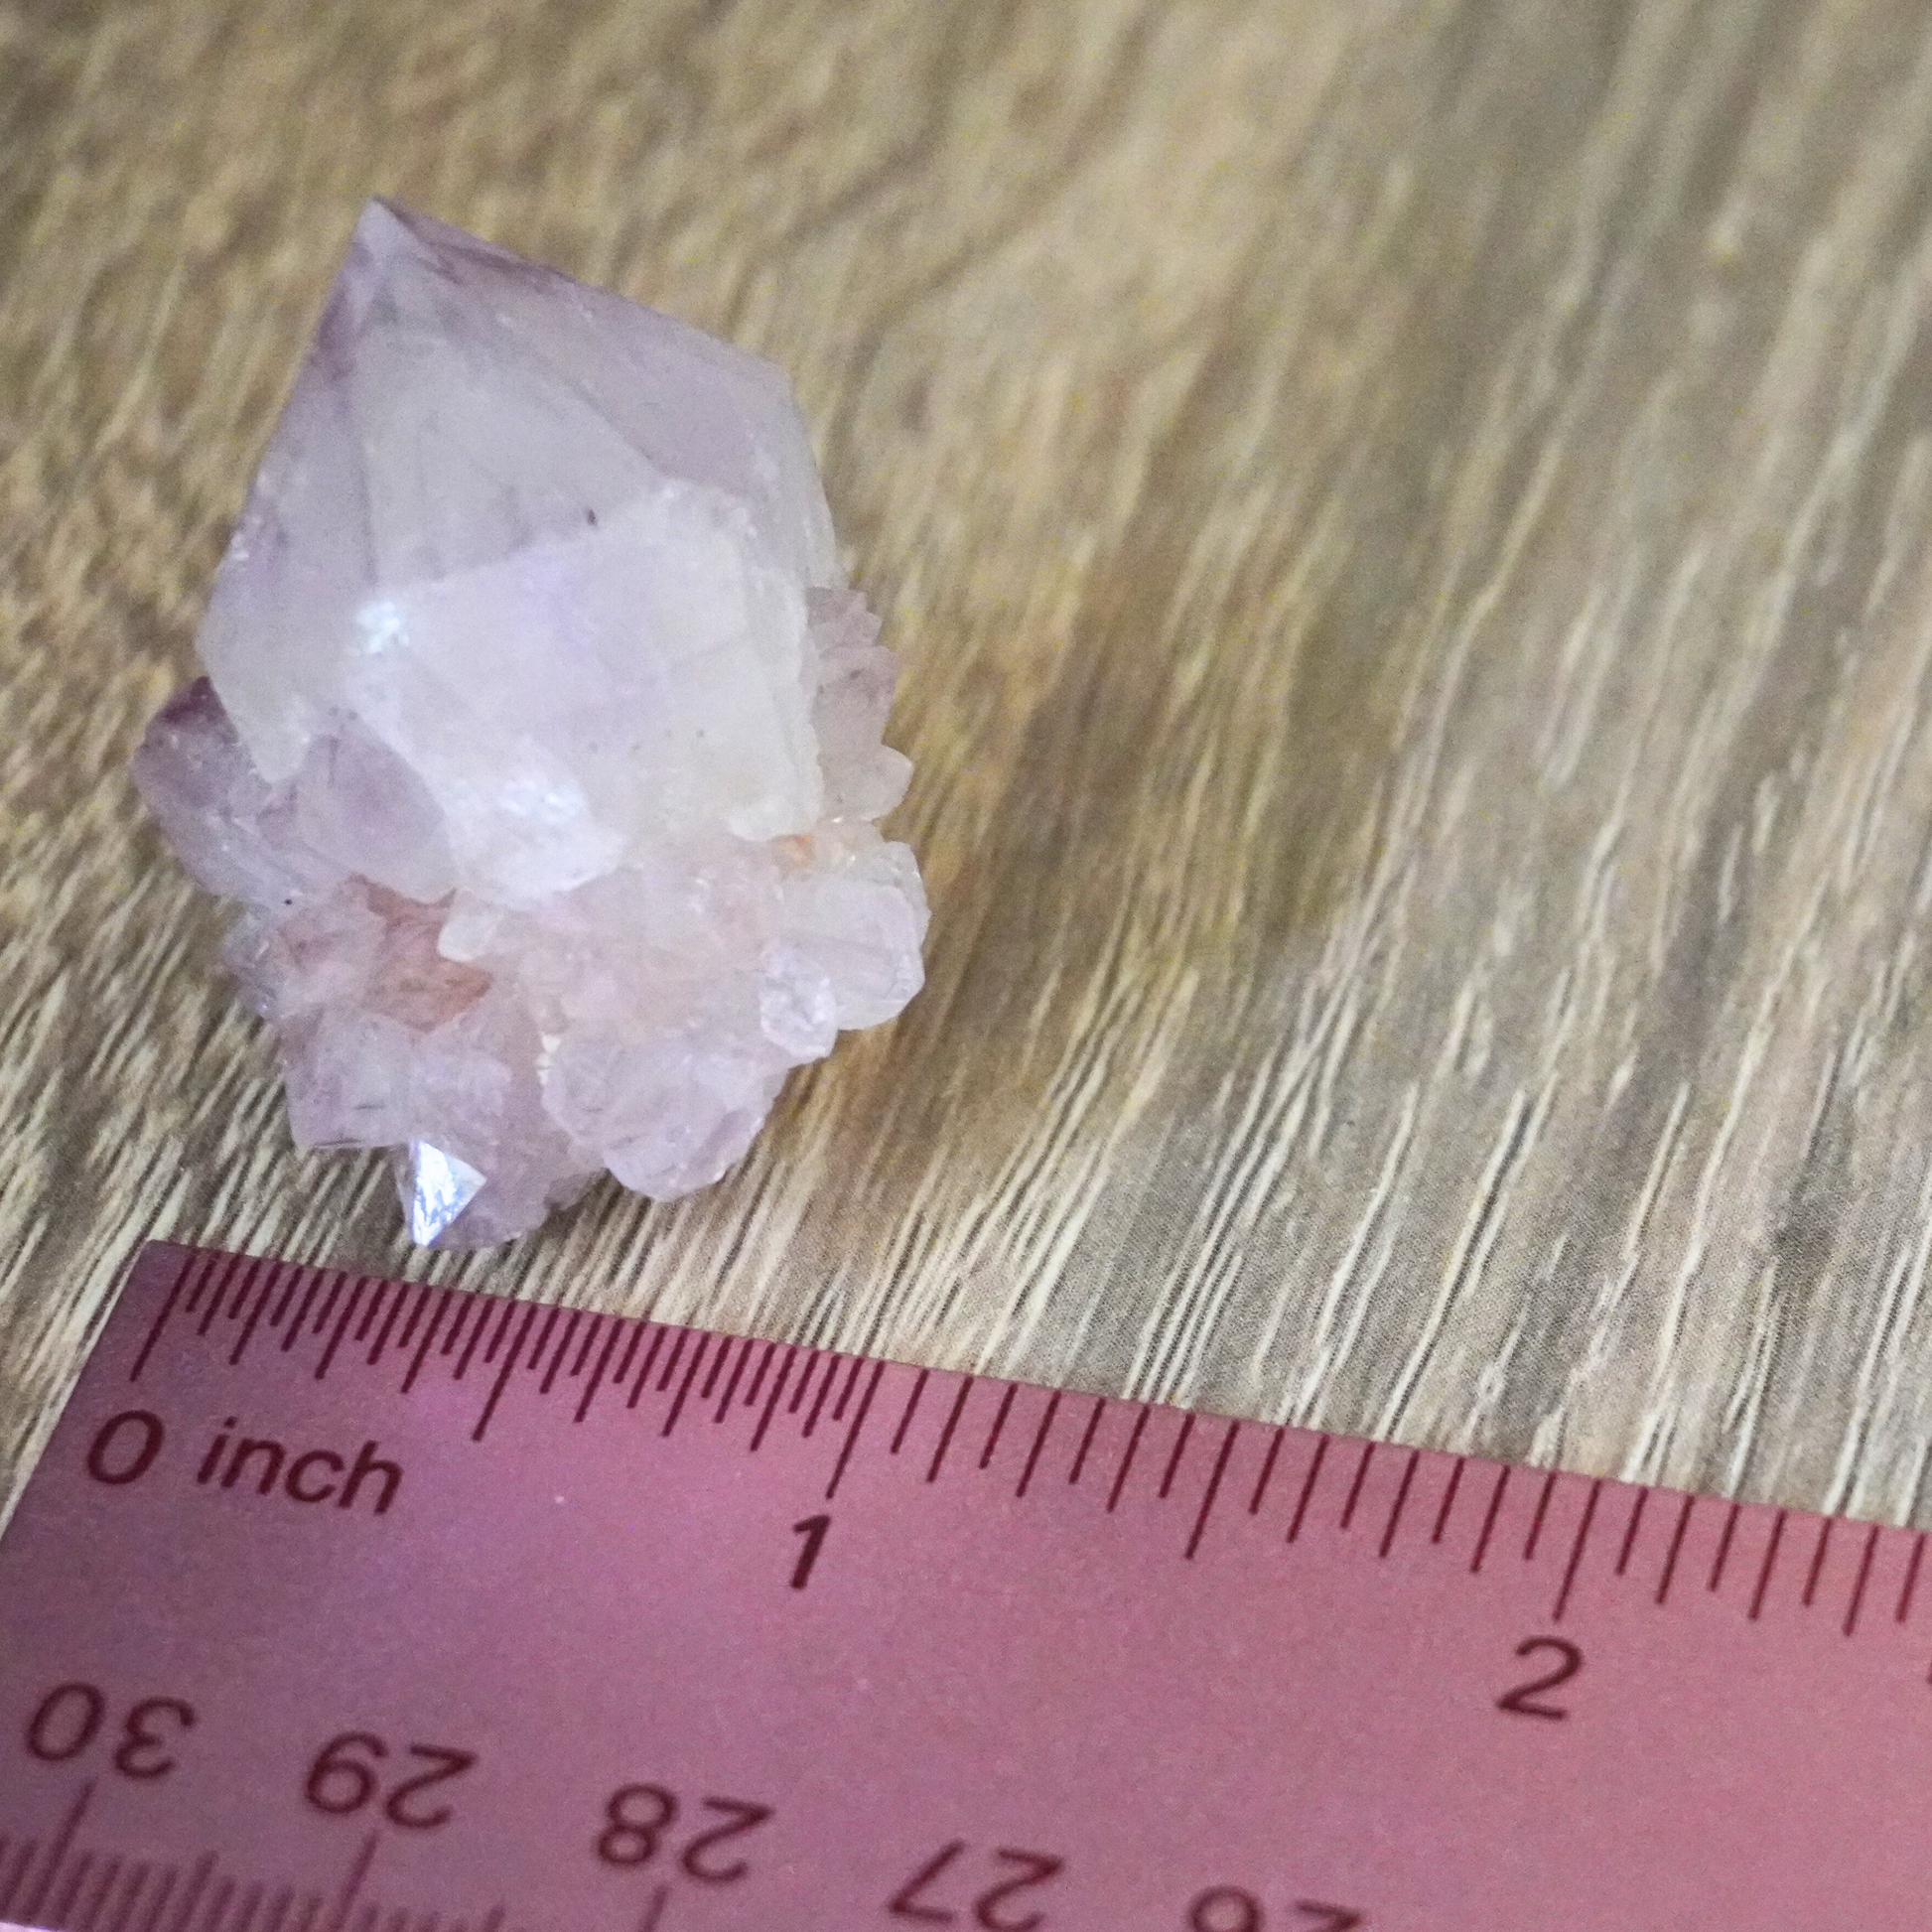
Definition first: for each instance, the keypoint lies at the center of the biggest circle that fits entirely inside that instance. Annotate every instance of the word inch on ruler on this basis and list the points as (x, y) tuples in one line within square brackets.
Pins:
[(344, 1605)]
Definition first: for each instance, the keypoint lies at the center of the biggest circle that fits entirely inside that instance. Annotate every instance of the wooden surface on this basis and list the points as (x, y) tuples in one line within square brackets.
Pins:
[(1410, 527)]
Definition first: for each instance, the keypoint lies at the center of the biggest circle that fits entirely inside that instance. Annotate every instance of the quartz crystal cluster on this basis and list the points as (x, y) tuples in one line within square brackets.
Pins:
[(540, 741)]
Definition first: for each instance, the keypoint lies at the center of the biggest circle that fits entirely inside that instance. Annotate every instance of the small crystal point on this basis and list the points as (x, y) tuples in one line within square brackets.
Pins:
[(435, 1188), (541, 740)]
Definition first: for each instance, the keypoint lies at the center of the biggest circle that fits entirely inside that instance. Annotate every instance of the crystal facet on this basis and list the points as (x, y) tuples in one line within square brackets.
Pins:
[(541, 741)]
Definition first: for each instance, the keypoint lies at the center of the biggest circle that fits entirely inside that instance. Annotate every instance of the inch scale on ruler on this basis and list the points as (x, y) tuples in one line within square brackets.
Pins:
[(346, 1605)]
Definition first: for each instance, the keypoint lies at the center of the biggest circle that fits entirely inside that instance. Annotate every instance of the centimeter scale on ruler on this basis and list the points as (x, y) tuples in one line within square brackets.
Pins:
[(347, 1605)]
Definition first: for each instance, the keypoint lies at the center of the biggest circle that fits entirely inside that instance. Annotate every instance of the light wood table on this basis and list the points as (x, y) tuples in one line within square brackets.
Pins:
[(1410, 529)]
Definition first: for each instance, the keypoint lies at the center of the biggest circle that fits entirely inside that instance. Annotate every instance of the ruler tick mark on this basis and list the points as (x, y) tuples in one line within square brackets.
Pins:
[(597, 1374), (341, 1329), (757, 1381), (1911, 1579), (1818, 1562), (994, 1434), (1355, 1487), (1865, 1574), (250, 1273), (533, 1362), (429, 1337), (269, 1284), (204, 1266), (1542, 1513), (1769, 1565), (476, 1338), (259, 1268), (167, 1875), (1676, 1545), (22, 1860), (912, 1404), (677, 1355), (852, 1435), (358, 1874), (453, 1334), (684, 1387), (288, 1294), (1308, 1486), (630, 1345), (642, 1377), (465, 1308), (1401, 1497), (501, 1382), (169, 1878), (1267, 1469), (589, 1341), (1039, 1442), (197, 1879), (57, 1854), (370, 1313), (804, 1384), (1723, 1546), (161, 1319), (1631, 1531), (571, 1327), (1127, 1460), (1087, 1439), (772, 1401), (136, 1883), (1182, 1435), (337, 1281), (61, 1908), (1489, 1522), (717, 1362), (424, 1298), (493, 1347), (845, 1394), (745, 1353), (1448, 1499), (216, 1289), (655, 1911), (824, 1389), (254, 1269), (1308, 1489), (98, 1905), (1577, 1551), (945, 1434), (397, 1301), (1213, 1489)]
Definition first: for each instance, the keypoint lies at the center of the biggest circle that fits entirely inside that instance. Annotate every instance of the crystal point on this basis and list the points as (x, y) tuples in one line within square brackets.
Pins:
[(436, 1188), (541, 741)]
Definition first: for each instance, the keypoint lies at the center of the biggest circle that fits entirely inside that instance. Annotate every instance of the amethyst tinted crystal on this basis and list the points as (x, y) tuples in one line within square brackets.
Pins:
[(540, 741)]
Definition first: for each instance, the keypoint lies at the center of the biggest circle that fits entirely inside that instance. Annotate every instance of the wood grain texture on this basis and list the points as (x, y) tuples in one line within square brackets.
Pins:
[(1410, 527)]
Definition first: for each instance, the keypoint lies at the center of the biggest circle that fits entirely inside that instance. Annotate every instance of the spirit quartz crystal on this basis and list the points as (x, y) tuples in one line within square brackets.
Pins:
[(540, 741)]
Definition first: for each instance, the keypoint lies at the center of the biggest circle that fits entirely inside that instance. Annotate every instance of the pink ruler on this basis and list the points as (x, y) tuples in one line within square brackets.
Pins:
[(339, 1605)]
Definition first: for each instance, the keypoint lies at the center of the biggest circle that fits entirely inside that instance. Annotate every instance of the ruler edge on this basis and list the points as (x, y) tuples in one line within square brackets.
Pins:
[(151, 1260)]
